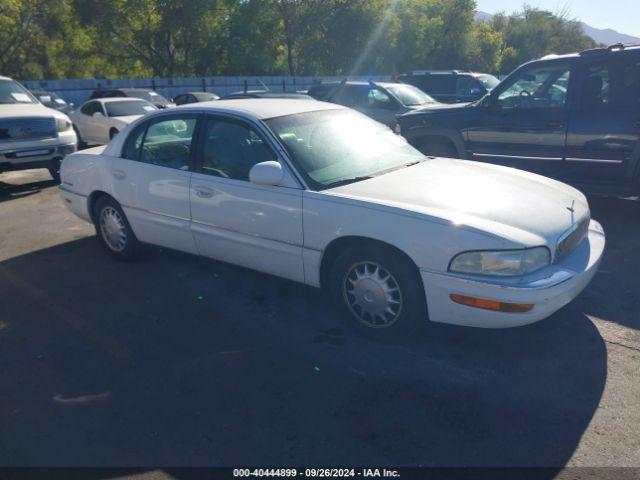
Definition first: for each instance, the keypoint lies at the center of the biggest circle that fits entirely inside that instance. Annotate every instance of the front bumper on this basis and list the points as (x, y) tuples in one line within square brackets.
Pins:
[(548, 290), (34, 156)]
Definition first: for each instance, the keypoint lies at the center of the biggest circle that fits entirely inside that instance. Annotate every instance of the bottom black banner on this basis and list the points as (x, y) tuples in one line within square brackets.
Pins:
[(405, 473)]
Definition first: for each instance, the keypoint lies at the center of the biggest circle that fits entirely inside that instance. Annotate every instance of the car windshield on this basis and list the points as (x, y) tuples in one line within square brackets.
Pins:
[(128, 107), (13, 92), (409, 95), (334, 147), (488, 81), (149, 96)]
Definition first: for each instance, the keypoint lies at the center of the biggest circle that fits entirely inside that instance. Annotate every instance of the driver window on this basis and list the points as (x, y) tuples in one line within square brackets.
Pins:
[(543, 87), (231, 149), (168, 143), (376, 98)]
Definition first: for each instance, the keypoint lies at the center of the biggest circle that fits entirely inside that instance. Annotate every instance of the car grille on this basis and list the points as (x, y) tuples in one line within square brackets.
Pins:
[(573, 239), (18, 129)]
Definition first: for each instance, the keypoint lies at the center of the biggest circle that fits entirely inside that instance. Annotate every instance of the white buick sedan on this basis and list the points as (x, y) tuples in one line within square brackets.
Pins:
[(323, 195)]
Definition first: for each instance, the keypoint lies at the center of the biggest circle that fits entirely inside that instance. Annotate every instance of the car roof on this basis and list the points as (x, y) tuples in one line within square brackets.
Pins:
[(117, 99), (360, 83), (262, 108)]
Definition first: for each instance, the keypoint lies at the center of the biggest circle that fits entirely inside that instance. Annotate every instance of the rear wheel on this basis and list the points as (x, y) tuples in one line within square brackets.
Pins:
[(81, 143), (113, 229), (379, 289)]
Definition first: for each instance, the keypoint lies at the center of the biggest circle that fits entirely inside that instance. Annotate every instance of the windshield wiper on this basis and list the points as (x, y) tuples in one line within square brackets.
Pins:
[(347, 181)]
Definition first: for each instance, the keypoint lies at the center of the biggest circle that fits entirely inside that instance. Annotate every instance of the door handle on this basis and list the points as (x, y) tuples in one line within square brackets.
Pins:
[(555, 124), (204, 192), (119, 174)]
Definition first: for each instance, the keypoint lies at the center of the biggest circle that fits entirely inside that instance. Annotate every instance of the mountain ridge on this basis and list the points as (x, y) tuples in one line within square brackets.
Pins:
[(605, 36)]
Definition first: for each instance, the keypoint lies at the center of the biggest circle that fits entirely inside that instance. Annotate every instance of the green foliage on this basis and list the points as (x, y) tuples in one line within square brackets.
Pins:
[(128, 38), (535, 33)]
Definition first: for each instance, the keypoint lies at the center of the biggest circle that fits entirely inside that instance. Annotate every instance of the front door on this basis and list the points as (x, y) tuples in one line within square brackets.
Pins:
[(236, 221), (152, 181), (604, 130), (379, 105), (524, 122)]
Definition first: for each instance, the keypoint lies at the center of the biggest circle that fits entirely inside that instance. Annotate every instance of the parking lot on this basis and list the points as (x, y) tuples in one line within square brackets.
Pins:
[(177, 360)]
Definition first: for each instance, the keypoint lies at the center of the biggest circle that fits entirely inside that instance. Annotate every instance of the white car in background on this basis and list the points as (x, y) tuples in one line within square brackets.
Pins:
[(321, 194), (31, 135), (96, 122)]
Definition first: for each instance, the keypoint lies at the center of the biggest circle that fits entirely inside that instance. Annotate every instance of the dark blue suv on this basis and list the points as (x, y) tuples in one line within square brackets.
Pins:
[(575, 118)]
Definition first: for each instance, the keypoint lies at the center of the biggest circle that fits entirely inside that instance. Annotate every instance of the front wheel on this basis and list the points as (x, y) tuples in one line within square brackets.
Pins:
[(380, 290), (438, 149), (113, 230), (54, 169)]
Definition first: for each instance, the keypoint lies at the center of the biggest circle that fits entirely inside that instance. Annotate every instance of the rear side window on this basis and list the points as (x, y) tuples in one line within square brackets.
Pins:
[(630, 82), (467, 86), (132, 146), (319, 92), (91, 108), (166, 142), (439, 84), (596, 87)]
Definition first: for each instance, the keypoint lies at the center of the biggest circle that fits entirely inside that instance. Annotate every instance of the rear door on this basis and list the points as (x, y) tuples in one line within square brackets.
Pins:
[(604, 128), (153, 178)]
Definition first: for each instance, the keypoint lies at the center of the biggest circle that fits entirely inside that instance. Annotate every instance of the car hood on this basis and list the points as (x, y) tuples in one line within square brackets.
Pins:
[(126, 120), (28, 110), (525, 208), (440, 108)]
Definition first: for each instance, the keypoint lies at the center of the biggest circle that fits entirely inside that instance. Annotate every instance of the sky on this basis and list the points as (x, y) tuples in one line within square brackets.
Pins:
[(620, 15)]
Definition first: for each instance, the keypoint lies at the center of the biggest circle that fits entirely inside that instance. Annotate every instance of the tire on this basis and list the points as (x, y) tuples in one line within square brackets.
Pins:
[(113, 230), (376, 269), (438, 149), (112, 133), (81, 143), (54, 169)]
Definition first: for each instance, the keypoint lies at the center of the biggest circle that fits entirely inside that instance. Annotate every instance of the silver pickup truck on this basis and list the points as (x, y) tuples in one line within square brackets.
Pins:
[(31, 135)]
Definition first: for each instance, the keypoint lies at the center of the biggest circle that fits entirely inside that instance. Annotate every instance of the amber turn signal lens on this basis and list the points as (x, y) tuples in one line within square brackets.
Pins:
[(492, 304)]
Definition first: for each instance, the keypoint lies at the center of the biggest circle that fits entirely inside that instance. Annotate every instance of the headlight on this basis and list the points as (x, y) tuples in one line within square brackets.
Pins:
[(63, 124), (505, 263)]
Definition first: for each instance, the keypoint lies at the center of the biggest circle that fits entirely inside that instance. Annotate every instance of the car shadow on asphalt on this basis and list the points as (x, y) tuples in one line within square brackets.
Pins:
[(181, 361), (10, 191), (614, 294)]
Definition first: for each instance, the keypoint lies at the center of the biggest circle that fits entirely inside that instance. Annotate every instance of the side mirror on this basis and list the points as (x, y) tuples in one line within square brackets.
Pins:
[(97, 114), (266, 173)]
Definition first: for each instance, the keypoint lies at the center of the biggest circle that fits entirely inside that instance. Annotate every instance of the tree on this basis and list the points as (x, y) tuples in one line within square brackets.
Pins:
[(534, 33)]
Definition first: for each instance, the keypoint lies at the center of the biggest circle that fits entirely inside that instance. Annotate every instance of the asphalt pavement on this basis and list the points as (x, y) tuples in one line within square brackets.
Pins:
[(177, 360)]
